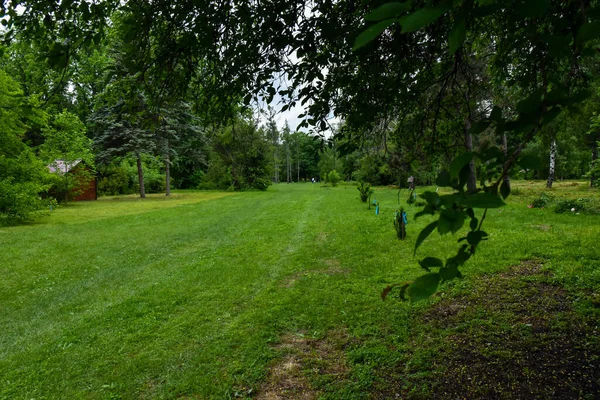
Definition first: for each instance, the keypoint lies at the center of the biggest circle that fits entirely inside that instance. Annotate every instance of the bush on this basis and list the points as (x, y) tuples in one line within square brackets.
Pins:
[(541, 202), (114, 180), (334, 178), (563, 206), (365, 191)]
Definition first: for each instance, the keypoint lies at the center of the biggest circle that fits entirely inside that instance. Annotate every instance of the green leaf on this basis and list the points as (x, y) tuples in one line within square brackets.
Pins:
[(457, 35), (588, 31), (485, 10), (431, 198), (496, 114), (530, 162), (388, 10), (505, 189), (443, 179), (473, 224), (371, 33), (459, 162), (421, 18), (551, 114), (451, 220), (479, 127), (423, 287), (532, 8), (424, 234), (558, 44), (482, 200), (531, 103), (431, 262)]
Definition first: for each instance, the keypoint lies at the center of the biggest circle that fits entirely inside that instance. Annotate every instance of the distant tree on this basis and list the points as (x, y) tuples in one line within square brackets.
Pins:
[(274, 136), (240, 159), (66, 145), (122, 125)]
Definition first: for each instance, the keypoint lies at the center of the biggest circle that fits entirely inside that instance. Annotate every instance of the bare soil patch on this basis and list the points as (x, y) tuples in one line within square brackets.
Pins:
[(515, 336), (302, 358)]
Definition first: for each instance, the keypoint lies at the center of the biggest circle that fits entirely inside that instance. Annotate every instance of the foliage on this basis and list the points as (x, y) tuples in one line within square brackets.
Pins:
[(594, 173), (65, 145), (365, 191), (333, 177), (22, 176), (570, 205), (240, 160), (541, 201), (114, 179), (400, 223)]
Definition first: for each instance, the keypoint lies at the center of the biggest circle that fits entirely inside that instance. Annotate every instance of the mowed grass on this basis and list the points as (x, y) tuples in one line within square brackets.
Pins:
[(190, 296)]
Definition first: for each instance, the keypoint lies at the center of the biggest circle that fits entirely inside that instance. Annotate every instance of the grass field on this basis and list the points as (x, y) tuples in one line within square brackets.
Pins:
[(276, 293)]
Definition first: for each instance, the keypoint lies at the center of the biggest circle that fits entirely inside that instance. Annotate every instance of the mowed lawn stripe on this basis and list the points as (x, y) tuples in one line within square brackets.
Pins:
[(109, 273)]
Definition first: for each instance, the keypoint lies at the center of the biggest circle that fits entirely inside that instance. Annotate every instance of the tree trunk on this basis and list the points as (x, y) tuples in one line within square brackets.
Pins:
[(593, 177), (276, 163), (298, 159), (141, 177), (552, 163), (471, 182), (288, 169), (505, 148), (167, 174)]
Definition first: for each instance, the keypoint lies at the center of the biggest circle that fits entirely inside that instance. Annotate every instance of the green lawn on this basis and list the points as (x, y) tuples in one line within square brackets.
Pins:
[(198, 295)]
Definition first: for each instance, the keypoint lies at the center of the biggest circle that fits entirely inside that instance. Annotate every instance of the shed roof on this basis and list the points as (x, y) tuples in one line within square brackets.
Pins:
[(61, 166)]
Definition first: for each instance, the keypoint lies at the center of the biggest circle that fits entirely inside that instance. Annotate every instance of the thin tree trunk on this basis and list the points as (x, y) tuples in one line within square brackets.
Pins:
[(276, 162), (298, 159), (505, 148), (593, 177), (287, 163), (141, 177), (167, 174), (471, 182), (552, 163)]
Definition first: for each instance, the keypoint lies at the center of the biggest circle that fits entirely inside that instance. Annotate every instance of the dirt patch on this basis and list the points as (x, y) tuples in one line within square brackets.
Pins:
[(304, 358), (514, 336)]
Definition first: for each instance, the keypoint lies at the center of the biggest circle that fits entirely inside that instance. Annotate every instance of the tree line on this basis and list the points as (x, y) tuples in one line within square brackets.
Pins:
[(164, 89)]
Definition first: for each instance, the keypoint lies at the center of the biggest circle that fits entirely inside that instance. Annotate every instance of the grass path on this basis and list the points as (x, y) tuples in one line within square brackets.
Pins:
[(189, 296)]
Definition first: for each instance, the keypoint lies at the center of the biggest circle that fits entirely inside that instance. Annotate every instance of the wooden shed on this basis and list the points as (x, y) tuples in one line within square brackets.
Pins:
[(86, 190)]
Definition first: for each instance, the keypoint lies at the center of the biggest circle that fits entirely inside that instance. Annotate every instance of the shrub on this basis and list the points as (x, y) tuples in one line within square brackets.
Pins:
[(334, 178), (541, 202), (365, 191), (400, 224), (568, 205), (114, 180)]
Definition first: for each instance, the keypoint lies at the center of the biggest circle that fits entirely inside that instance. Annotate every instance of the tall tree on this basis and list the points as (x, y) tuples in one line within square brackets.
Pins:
[(22, 175)]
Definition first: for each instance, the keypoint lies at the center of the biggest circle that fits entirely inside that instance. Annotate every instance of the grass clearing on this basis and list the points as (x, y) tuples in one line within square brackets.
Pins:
[(197, 296)]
